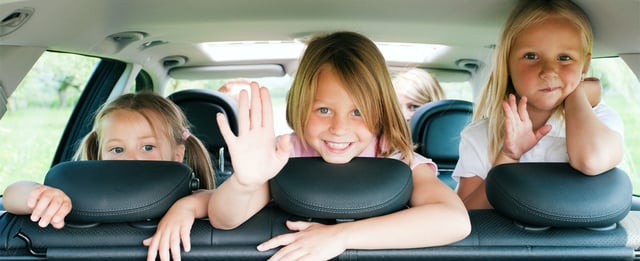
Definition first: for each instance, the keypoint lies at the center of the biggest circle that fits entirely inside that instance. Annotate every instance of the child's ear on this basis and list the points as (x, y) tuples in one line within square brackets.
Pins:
[(179, 154), (587, 62)]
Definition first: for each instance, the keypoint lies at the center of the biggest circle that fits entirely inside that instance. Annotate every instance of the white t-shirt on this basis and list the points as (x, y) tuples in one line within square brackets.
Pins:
[(474, 144)]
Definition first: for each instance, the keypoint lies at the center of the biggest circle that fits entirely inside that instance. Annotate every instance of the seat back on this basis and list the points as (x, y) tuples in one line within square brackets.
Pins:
[(435, 129), (200, 106)]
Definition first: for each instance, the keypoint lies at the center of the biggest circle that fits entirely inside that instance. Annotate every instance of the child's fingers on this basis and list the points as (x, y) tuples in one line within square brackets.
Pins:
[(281, 240), (522, 109), (225, 129), (163, 246), (33, 198), (513, 106), (152, 243), (244, 123), (40, 208), (54, 206), (298, 225), (542, 131), (284, 147), (174, 242), (510, 108), (185, 234), (509, 118), (267, 109), (255, 112), (58, 218)]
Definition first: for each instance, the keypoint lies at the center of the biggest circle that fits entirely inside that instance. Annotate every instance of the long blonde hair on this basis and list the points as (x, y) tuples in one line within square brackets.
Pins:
[(419, 85), (165, 118), (499, 85), (363, 70)]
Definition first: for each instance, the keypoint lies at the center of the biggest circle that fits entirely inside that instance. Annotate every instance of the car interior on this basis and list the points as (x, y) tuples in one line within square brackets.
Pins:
[(542, 211)]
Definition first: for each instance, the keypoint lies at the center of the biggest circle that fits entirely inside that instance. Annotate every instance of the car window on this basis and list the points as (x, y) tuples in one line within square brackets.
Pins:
[(39, 109), (37, 114), (278, 87), (621, 91)]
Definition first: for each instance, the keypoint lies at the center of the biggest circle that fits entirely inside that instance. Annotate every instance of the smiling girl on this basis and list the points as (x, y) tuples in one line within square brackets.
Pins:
[(341, 105)]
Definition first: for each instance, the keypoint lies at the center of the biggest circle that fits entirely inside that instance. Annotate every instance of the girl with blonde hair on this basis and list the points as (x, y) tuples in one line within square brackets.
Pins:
[(140, 126), (416, 87), (341, 105), (537, 106)]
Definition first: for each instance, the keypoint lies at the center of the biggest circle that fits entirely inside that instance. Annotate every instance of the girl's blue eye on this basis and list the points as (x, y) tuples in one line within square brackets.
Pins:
[(357, 113), (564, 58), (147, 147), (323, 110), (413, 107), (531, 56), (117, 150)]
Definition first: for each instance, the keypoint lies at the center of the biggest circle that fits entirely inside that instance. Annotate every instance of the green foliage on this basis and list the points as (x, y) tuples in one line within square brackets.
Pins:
[(29, 140), (56, 80), (621, 92)]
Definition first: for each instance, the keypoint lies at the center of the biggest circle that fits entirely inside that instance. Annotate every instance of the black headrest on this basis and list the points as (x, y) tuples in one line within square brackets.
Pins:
[(557, 195), (364, 187), (200, 107), (104, 191), (436, 126)]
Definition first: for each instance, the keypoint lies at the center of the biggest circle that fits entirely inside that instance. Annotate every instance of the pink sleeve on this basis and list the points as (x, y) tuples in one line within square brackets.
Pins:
[(419, 159)]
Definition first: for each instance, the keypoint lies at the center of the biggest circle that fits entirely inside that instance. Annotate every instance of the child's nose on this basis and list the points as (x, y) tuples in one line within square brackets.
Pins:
[(549, 70), (131, 155), (339, 125)]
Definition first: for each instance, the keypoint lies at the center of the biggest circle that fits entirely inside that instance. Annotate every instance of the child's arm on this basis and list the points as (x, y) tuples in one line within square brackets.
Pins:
[(256, 158), (176, 225), (437, 217), (472, 192), (592, 146), (519, 137), (47, 205)]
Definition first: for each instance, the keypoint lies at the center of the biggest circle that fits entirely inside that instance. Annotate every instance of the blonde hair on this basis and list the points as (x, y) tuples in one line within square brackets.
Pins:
[(499, 85), (163, 116), (419, 85), (363, 70)]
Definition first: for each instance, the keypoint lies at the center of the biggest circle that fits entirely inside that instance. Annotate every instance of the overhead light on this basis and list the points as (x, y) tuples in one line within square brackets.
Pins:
[(269, 50), (409, 52), (253, 50)]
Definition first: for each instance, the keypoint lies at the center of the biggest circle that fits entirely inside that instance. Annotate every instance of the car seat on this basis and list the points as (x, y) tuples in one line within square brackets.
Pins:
[(200, 106), (435, 129)]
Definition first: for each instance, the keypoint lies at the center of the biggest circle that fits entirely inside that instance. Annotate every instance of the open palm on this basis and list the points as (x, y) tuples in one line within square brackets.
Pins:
[(255, 155)]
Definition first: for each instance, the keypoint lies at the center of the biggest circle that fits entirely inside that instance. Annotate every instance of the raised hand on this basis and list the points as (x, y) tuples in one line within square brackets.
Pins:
[(519, 134), (255, 155)]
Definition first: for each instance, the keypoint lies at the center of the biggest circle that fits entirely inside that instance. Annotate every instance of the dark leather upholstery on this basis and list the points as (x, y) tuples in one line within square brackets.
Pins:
[(108, 191), (557, 195), (201, 106), (493, 237), (364, 187), (435, 129)]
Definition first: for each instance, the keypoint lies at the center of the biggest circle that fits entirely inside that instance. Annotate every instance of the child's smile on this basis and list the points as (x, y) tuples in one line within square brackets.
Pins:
[(335, 129)]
